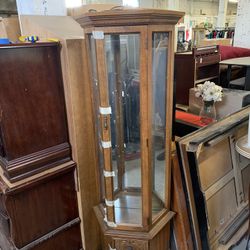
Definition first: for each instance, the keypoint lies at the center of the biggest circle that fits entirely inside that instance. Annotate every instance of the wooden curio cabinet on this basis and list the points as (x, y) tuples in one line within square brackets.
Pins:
[(131, 62)]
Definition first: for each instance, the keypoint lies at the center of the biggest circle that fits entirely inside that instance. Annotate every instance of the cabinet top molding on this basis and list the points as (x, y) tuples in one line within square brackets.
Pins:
[(129, 17)]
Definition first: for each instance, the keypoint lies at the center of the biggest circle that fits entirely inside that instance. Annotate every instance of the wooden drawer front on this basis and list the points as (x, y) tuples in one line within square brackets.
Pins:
[(214, 163), (206, 60), (122, 244), (69, 239), (41, 208), (221, 207)]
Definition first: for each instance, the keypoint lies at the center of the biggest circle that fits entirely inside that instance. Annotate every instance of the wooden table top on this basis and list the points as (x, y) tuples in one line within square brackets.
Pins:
[(241, 61)]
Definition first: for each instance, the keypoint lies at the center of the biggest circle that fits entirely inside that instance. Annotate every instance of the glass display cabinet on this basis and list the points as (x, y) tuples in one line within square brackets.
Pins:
[(131, 55)]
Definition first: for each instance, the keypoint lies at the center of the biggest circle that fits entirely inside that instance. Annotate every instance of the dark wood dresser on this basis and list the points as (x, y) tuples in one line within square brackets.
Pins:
[(195, 67), (38, 193)]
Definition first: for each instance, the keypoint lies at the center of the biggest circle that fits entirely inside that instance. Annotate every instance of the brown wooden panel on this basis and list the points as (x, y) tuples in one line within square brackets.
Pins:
[(69, 239), (184, 76), (210, 70), (217, 217), (181, 223), (214, 162), (32, 116), (161, 240), (78, 93), (208, 59), (40, 207), (241, 132)]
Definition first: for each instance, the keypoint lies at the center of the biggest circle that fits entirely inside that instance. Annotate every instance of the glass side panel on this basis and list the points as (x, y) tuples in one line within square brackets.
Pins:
[(95, 87), (159, 74), (122, 59)]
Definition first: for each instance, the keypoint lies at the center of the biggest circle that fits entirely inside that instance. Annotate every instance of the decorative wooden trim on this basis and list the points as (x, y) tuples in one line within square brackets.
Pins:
[(130, 17), (29, 45), (11, 188), (31, 164), (120, 29), (162, 28), (129, 232)]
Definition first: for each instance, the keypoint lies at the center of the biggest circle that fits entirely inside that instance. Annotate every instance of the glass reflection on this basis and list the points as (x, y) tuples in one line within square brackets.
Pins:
[(122, 59), (159, 71)]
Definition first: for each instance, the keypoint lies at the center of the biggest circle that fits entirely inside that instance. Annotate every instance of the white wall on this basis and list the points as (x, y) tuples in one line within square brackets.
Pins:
[(208, 8), (118, 2), (42, 7), (242, 29), (231, 8), (194, 8)]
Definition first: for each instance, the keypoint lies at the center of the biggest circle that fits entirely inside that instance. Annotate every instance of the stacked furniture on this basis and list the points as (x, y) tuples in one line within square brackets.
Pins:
[(216, 179), (38, 205), (78, 102)]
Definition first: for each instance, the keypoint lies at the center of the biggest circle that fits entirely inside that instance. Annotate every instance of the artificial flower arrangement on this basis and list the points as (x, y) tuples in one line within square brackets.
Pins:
[(209, 91)]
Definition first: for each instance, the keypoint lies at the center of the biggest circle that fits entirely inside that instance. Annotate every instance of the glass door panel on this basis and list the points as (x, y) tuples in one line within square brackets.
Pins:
[(160, 41), (123, 70)]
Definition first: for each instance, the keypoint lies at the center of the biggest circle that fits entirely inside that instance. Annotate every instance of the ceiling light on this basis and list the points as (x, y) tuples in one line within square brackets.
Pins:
[(132, 3), (73, 3)]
